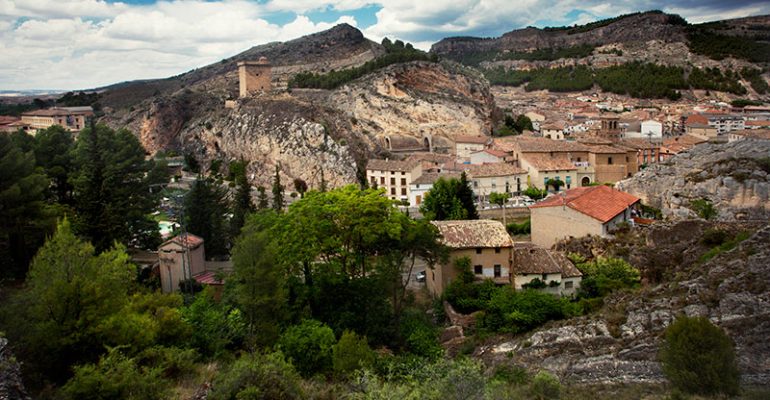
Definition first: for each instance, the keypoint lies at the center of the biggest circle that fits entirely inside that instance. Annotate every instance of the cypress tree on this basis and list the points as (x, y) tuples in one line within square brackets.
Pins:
[(277, 191)]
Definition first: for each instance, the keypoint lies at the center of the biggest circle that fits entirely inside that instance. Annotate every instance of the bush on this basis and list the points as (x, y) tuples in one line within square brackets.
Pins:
[(535, 193), (524, 228), (704, 208), (713, 237), (351, 353), (699, 358), (519, 311), (420, 335), (257, 376), (215, 328), (544, 386), (604, 275), (116, 377), (309, 347)]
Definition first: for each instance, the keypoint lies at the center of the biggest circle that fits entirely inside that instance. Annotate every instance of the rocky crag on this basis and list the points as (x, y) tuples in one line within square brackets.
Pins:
[(620, 343), (11, 386), (734, 177), (315, 133)]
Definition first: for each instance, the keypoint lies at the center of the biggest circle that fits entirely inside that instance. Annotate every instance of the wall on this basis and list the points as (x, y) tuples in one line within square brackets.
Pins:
[(396, 183), (254, 78), (482, 157), (483, 186), (465, 149), (171, 262), (551, 224)]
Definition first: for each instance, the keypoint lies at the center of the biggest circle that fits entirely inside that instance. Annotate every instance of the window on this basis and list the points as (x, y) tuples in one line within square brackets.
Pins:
[(393, 181), (609, 160), (568, 284), (497, 250), (403, 191), (626, 158), (478, 269), (403, 181), (382, 180), (403, 173), (578, 159), (432, 275), (478, 250), (393, 191), (497, 270)]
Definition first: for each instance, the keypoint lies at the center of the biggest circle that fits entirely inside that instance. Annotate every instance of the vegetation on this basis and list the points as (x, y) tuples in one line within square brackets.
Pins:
[(704, 208), (515, 126), (450, 199), (754, 76), (602, 276), (535, 193), (720, 242), (524, 228), (205, 208), (396, 52), (717, 46), (650, 80), (699, 358), (544, 54)]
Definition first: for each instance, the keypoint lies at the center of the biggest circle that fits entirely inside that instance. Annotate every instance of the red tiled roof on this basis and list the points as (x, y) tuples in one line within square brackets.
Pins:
[(208, 278), (747, 123), (696, 119), (472, 139), (466, 234), (185, 239), (494, 169), (391, 165), (545, 162), (7, 119), (598, 202)]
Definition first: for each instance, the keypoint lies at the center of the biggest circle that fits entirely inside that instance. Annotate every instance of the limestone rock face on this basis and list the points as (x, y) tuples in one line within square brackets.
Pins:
[(310, 133), (11, 386), (733, 176), (621, 344)]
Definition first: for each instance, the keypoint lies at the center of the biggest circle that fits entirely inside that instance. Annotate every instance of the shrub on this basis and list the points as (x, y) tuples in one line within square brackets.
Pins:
[(351, 353), (699, 358), (420, 335), (116, 377), (704, 208), (309, 347), (604, 275), (524, 228), (257, 376), (713, 237), (535, 193), (544, 386), (519, 311)]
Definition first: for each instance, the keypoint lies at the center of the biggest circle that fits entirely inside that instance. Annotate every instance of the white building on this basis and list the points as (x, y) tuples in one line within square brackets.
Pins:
[(394, 176), (465, 145), (487, 156)]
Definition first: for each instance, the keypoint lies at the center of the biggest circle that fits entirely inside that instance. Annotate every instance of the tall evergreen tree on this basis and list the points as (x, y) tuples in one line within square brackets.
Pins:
[(21, 207), (205, 212), (242, 204), (111, 183), (277, 191), (466, 197), (53, 152), (262, 202)]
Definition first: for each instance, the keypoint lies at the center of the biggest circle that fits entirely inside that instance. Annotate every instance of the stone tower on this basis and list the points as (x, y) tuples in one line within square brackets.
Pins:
[(254, 76)]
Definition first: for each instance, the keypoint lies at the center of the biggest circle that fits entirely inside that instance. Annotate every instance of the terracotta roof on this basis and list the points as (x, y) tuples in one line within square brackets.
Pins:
[(605, 149), (208, 278), (468, 234), (684, 140), (696, 119), (529, 258), (494, 169), (432, 177), (51, 112), (554, 126), (7, 119), (545, 162), (494, 152), (185, 239), (543, 145), (639, 143), (391, 165), (430, 158), (472, 139), (747, 123), (598, 202)]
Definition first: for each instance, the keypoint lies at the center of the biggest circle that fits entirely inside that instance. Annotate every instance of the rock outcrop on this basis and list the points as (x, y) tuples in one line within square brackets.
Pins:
[(621, 343), (735, 177), (11, 386)]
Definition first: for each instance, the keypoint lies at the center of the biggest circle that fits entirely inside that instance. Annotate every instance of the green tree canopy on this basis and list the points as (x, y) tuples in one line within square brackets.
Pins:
[(309, 347), (205, 212), (53, 152), (699, 358), (449, 200), (113, 196)]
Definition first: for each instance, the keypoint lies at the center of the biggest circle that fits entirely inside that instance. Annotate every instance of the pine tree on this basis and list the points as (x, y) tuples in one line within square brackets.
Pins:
[(205, 210), (277, 191), (242, 204), (262, 201), (466, 197)]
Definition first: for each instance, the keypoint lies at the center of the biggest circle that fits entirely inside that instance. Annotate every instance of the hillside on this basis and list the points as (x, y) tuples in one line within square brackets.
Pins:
[(308, 133)]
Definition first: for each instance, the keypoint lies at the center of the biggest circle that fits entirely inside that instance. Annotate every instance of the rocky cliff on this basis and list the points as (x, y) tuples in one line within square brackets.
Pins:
[(310, 133), (11, 386), (620, 344), (735, 177)]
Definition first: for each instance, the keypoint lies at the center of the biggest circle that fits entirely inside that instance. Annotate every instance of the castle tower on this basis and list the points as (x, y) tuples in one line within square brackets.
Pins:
[(254, 76), (610, 128)]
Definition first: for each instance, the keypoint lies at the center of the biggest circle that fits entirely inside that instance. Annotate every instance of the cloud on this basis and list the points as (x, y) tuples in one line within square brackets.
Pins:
[(70, 44)]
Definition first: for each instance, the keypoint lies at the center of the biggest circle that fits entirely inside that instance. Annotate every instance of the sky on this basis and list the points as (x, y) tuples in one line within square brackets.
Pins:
[(82, 44)]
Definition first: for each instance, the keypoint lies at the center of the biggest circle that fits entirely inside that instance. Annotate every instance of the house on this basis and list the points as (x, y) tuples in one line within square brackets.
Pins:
[(542, 168), (711, 126), (594, 210), (750, 134), (424, 183), (758, 124), (537, 119), (11, 124), (498, 177), (487, 156), (552, 130), (485, 242), (394, 176), (678, 144), (465, 145), (181, 258), (647, 152), (71, 118), (552, 268)]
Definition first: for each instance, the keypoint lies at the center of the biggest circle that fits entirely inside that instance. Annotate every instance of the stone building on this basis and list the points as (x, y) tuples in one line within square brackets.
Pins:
[(485, 242), (71, 118), (552, 268), (181, 258), (254, 76), (593, 210), (394, 176)]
